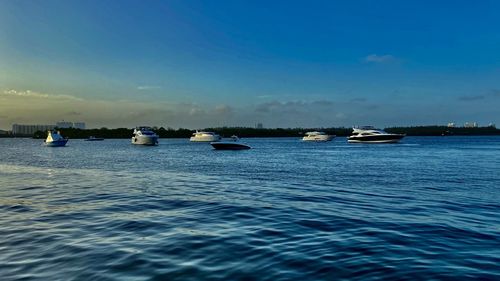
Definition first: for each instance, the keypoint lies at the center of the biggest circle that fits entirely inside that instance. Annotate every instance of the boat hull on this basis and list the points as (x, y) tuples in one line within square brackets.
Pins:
[(94, 139), (145, 140), (318, 138), (57, 143), (389, 138), (229, 146), (204, 139)]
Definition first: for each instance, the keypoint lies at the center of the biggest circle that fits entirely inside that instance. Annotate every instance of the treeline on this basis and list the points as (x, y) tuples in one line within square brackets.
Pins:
[(245, 132), (444, 131)]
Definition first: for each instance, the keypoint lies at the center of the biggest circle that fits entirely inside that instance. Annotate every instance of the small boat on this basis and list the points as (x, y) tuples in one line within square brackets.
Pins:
[(144, 136), (92, 138), (317, 136), (369, 134), (55, 139), (233, 144), (204, 137)]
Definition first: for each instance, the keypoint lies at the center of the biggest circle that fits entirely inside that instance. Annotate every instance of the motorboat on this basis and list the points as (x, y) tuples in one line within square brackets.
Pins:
[(54, 139), (92, 138), (317, 136), (368, 134), (233, 144), (144, 136), (204, 137)]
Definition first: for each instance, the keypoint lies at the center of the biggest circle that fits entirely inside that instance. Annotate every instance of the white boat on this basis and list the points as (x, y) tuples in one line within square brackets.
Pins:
[(55, 139), (233, 144), (204, 137), (317, 136), (144, 136), (92, 138), (369, 134)]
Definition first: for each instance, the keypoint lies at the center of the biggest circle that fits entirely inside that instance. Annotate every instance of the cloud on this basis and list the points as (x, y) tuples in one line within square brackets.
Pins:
[(296, 105), (493, 94), (323, 103), (358, 100), (38, 95), (223, 109), (299, 113), (340, 115), (73, 113), (265, 96), (374, 58), (267, 106), (472, 98), (147, 88)]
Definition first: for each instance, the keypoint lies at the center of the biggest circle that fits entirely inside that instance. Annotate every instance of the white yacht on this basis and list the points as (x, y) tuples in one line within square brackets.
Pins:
[(369, 134), (205, 137), (233, 144), (144, 136), (55, 139), (317, 136)]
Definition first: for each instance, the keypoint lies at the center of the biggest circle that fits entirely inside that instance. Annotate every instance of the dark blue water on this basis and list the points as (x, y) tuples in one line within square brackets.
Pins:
[(428, 208)]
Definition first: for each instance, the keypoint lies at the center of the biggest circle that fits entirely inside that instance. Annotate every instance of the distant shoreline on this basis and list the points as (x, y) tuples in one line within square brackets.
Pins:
[(125, 133)]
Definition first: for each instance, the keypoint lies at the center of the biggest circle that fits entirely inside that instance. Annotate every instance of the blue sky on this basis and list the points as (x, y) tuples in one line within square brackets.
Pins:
[(283, 63)]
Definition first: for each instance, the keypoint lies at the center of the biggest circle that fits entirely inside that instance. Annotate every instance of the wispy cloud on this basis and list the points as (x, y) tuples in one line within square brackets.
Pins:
[(265, 96), (148, 88), (34, 94), (472, 98), (358, 100), (495, 93), (74, 113), (374, 58), (490, 95), (294, 106)]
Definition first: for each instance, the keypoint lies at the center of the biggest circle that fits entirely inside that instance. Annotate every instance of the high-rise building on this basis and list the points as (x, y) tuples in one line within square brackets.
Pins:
[(259, 126), (18, 129), (79, 125), (64, 124)]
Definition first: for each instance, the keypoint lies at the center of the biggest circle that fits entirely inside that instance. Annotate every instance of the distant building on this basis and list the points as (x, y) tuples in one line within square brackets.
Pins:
[(451, 125), (18, 129), (492, 125), (470, 125), (66, 124), (79, 125), (259, 126), (2, 132)]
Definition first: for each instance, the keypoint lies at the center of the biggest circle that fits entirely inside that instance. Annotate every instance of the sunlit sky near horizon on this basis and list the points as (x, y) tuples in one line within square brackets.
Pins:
[(199, 64)]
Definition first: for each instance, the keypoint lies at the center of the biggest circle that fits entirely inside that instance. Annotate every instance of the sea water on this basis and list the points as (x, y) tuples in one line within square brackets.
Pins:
[(427, 208)]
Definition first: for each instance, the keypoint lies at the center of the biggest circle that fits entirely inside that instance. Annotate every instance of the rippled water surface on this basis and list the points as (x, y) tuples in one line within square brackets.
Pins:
[(428, 208)]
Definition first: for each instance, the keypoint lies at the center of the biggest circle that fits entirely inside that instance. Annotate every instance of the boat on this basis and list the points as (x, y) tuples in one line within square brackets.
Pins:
[(233, 144), (144, 136), (55, 139), (204, 137), (368, 134), (317, 136), (92, 138)]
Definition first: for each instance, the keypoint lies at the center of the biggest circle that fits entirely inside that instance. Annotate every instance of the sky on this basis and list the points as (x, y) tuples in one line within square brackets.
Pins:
[(197, 64)]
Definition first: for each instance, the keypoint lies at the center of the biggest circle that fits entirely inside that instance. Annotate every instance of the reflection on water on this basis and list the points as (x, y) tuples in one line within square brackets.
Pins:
[(425, 208)]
